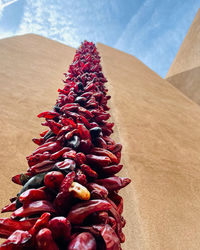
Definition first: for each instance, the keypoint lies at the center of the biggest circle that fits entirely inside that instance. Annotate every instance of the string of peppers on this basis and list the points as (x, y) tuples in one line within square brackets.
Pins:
[(69, 199)]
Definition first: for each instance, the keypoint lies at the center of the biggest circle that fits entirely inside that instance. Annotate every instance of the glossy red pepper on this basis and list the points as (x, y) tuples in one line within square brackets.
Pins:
[(80, 211), (114, 183), (61, 201), (17, 240), (31, 195), (112, 169), (40, 223), (104, 152), (8, 226), (9, 208), (98, 160), (53, 179), (42, 167), (48, 114), (36, 207), (83, 241), (59, 153), (88, 171), (97, 191), (44, 240), (60, 228), (110, 238)]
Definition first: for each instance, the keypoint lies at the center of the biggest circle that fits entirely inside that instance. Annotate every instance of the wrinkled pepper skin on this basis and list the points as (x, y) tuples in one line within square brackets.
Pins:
[(80, 211), (69, 199), (45, 240), (84, 241)]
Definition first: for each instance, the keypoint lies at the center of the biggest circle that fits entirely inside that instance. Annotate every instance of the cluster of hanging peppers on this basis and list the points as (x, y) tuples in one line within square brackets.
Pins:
[(69, 199)]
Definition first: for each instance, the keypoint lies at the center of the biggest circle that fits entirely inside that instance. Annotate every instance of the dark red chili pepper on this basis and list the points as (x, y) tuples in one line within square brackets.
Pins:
[(9, 208), (31, 195), (80, 158), (59, 153), (114, 183), (84, 121), (49, 146), (8, 226), (17, 240), (37, 158), (42, 167), (83, 241), (36, 207), (110, 238), (39, 141), (80, 211), (54, 126), (21, 179), (80, 177), (61, 200), (60, 228), (116, 215), (67, 164), (98, 160), (88, 171), (97, 191), (104, 152), (70, 154), (53, 179), (69, 135), (83, 131), (44, 133), (44, 240), (67, 121), (40, 223), (84, 112), (48, 114), (69, 107), (111, 170)]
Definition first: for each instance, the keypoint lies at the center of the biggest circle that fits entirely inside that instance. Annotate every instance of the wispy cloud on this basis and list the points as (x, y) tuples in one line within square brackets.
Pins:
[(4, 4), (156, 31)]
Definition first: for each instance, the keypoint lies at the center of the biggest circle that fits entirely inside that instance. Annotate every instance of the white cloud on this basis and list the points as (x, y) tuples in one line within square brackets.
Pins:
[(156, 31), (4, 4)]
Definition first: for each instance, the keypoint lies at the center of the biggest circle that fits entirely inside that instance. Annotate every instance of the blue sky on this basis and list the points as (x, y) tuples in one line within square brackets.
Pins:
[(151, 30)]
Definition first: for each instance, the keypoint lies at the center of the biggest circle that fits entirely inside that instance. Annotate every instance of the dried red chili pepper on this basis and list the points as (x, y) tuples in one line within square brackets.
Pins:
[(36, 207), (80, 158), (45, 240), (9, 208), (17, 240), (88, 171), (53, 179), (104, 152), (97, 191), (83, 241), (37, 158), (80, 211), (60, 228), (67, 164), (114, 183), (98, 160), (61, 201), (59, 153), (80, 177), (31, 195), (8, 226), (111, 170), (42, 167), (110, 238), (48, 114), (40, 223)]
